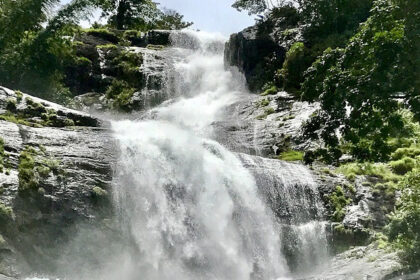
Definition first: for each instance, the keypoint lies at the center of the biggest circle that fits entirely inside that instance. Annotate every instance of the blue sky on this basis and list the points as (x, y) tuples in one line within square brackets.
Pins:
[(209, 15)]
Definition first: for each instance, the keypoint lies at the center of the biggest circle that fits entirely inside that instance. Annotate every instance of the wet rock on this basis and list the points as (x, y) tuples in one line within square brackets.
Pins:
[(158, 37), (254, 52), (360, 263), (264, 125), (70, 162), (34, 110)]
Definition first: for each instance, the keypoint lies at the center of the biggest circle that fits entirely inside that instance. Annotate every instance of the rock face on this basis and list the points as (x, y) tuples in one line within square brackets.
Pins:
[(264, 125), (53, 179), (255, 53), (360, 263)]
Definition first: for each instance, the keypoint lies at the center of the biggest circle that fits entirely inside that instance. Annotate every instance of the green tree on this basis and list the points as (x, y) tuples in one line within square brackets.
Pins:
[(32, 56), (172, 20), (360, 87), (325, 17), (130, 14)]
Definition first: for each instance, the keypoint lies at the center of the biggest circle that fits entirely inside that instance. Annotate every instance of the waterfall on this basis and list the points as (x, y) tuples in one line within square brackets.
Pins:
[(189, 207), (189, 204)]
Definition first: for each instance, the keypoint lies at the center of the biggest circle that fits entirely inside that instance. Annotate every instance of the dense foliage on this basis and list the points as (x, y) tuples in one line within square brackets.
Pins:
[(36, 47), (360, 60), (360, 88), (404, 229)]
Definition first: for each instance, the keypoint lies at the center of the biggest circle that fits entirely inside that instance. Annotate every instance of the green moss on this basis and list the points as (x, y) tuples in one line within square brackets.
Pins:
[(128, 34), (99, 192), (9, 117), (289, 117), (155, 47), (69, 122), (291, 155), (340, 228), (264, 102), (6, 213), (267, 111), (107, 47), (128, 62), (269, 91), (83, 61), (328, 171), (43, 171), (104, 34), (19, 96), (338, 203), (34, 108), (27, 175)]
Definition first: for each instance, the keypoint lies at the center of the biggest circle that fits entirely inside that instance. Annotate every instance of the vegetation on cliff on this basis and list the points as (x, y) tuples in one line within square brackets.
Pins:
[(360, 60), (37, 49)]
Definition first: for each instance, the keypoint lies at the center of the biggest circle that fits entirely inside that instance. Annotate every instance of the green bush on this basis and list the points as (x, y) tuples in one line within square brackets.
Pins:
[(360, 90), (404, 226), (104, 34), (338, 202), (121, 93), (403, 165), (379, 170), (411, 152), (295, 64)]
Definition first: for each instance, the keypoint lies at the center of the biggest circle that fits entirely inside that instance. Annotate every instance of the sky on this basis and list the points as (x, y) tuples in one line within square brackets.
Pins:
[(211, 15), (208, 15)]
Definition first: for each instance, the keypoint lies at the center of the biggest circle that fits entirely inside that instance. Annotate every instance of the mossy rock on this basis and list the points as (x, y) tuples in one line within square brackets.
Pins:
[(6, 213), (105, 34)]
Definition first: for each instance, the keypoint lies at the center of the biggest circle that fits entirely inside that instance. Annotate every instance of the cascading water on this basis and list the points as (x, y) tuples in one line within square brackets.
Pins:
[(188, 207)]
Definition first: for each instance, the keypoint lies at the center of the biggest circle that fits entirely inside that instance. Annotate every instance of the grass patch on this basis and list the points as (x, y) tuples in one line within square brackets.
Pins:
[(27, 175), (291, 155), (379, 170), (269, 91), (267, 112)]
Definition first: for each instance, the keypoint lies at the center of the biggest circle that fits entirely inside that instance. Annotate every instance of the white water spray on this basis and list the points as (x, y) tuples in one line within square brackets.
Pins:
[(190, 205)]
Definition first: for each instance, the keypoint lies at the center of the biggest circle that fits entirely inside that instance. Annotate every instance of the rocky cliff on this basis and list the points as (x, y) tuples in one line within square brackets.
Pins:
[(56, 174)]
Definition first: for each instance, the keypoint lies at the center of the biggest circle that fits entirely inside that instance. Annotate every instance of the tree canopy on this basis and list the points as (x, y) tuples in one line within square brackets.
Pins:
[(362, 87)]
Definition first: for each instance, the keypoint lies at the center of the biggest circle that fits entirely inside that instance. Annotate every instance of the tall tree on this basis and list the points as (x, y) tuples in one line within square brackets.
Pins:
[(125, 14)]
